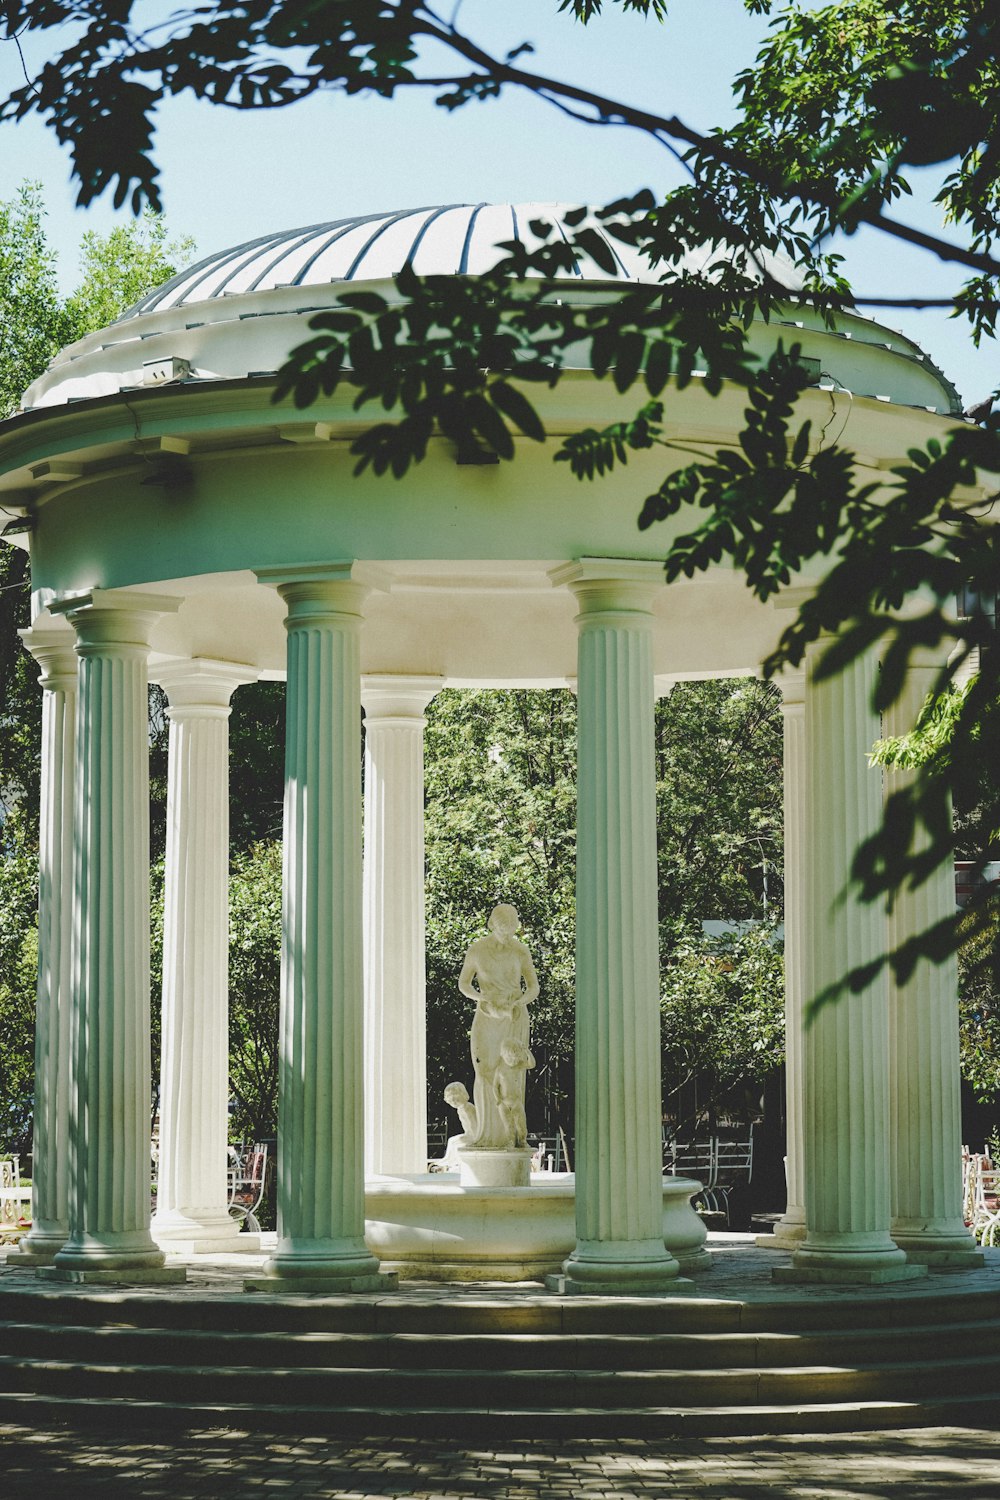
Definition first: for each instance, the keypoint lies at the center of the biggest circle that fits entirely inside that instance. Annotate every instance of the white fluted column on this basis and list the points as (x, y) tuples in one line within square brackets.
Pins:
[(192, 1189), (394, 934), (109, 1188), (791, 1227), (619, 1161), (926, 1126), (321, 1197), (846, 1040), (56, 658)]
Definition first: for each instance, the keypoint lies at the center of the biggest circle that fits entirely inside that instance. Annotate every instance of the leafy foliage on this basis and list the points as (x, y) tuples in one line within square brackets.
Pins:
[(723, 1018), (254, 984), (256, 765), (33, 326), (979, 1004), (500, 784), (18, 957), (452, 354), (719, 803), (841, 98), (929, 741), (120, 267)]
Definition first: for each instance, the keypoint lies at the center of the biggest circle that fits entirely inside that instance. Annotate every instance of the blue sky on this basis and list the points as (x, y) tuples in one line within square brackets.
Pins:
[(229, 176)]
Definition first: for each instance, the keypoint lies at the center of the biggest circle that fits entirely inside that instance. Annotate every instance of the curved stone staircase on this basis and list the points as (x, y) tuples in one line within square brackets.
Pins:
[(449, 1364)]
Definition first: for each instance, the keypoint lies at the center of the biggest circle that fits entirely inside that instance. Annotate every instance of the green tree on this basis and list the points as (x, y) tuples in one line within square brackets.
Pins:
[(254, 980), (723, 1022), (119, 267), (18, 956), (718, 757), (500, 786), (34, 325), (979, 1009)]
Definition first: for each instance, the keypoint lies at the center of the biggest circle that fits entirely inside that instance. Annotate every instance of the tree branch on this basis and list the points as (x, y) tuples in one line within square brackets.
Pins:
[(611, 111)]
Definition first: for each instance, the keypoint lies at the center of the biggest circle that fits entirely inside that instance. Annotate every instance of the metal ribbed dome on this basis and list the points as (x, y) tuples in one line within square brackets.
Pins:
[(459, 239), (238, 314)]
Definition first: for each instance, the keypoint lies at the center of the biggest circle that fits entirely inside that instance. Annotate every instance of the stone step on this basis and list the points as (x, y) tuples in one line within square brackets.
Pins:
[(451, 1362), (438, 1314), (268, 1349), (547, 1389), (29, 1408)]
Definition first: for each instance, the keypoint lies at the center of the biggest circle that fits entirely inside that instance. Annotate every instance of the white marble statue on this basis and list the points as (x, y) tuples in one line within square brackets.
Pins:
[(499, 976), (457, 1095)]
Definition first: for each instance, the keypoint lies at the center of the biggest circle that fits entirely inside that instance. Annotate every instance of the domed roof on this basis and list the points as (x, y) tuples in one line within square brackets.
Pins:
[(237, 314), (459, 239)]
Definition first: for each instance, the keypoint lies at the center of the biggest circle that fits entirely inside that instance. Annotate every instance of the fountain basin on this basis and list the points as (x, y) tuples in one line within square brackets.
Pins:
[(432, 1228)]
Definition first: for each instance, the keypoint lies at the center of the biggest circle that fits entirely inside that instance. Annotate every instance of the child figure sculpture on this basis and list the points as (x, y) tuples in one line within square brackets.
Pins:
[(457, 1095), (509, 1081)]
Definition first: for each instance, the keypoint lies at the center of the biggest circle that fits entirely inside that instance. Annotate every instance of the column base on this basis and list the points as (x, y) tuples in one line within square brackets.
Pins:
[(17, 1256), (629, 1268), (322, 1266), (38, 1248), (698, 1260), (240, 1244), (866, 1265), (788, 1234), (947, 1260), (569, 1286), (121, 1251), (946, 1248), (124, 1276), (332, 1286), (180, 1234), (861, 1258)]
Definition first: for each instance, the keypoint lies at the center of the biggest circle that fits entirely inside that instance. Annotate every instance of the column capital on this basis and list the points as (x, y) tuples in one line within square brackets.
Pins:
[(792, 684), (386, 697), (55, 653), (611, 590), (318, 593), (196, 685), (114, 617)]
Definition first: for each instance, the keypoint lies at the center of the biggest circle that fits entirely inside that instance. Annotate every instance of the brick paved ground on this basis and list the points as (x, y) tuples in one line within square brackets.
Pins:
[(930, 1464)]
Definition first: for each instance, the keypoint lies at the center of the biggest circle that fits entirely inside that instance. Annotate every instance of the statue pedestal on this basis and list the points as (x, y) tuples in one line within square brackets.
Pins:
[(489, 1167)]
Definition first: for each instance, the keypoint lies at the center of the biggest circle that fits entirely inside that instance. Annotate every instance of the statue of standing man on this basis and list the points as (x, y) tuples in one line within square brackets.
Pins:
[(499, 976)]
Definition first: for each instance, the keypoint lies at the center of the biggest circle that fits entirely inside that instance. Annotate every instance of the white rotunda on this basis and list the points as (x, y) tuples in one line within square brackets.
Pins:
[(184, 529)]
